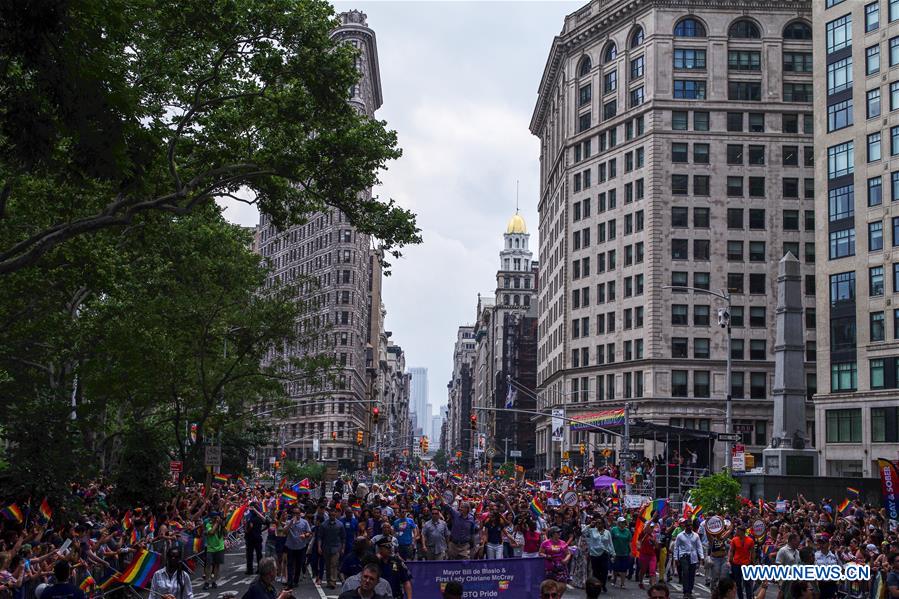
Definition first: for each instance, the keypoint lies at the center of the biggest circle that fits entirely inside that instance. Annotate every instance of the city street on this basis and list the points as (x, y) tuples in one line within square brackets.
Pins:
[(234, 583)]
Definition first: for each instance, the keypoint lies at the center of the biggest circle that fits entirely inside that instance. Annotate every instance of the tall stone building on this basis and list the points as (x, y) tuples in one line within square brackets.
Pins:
[(459, 394), (421, 407), (344, 295), (676, 150), (505, 357), (856, 410)]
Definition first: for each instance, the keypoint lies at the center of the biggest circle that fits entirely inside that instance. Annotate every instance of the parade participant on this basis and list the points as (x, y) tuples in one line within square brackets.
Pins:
[(621, 542), (331, 546), (353, 561), (299, 534), (825, 557), (742, 549), (63, 588), (407, 535), (600, 549), (556, 556), (434, 535), (658, 591), (215, 549), (264, 585), (892, 581), (688, 554), (254, 522), (647, 552), (369, 579), (549, 589), (492, 535), (717, 549), (724, 588), (382, 587), (171, 582), (532, 540), (280, 529), (394, 571), (386, 533), (350, 526), (462, 530)]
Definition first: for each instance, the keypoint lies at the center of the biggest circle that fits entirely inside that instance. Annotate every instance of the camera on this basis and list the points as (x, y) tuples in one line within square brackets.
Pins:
[(723, 318)]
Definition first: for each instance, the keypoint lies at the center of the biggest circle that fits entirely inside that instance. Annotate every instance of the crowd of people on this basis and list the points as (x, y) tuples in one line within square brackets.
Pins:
[(361, 536)]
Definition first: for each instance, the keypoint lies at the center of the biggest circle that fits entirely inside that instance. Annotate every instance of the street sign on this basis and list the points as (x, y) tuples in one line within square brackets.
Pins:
[(732, 437), (272, 460), (627, 455), (176, 466), (515, 453), (213, 455), (738, 461), (744, 428), (491, 453)]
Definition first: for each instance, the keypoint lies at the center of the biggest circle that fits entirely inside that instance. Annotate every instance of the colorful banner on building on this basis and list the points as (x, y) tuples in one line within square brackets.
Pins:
[(889, 486), (558, 424), (589, 422), (509, 578)]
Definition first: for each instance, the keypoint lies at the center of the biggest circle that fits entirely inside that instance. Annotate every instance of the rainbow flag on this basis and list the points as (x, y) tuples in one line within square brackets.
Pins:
[(852, 492), (175, 525), (13, 512), (844, 505), (235, 519), (141, 570), (304, 485), (109, 582), (658, 506), (151, 526), (134, 537), (697, 512), (356, 505), (457, 478), (46, 510), (289, 495), (195, 545), (127, 522), (282, 484), (221, 478), (241, 481), (87, 584), (536, 508)]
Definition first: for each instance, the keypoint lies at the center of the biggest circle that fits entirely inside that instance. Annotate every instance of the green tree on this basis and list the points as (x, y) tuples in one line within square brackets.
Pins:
[(111, 109), (717, 494), (441, 460), (297, 471)]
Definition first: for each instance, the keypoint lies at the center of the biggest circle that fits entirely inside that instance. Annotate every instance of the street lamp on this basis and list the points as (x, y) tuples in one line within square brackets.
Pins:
[(724, 323)]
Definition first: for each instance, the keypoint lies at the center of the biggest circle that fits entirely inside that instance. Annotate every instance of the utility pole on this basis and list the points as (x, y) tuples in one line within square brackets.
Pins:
[(506, 441), (626, 448)]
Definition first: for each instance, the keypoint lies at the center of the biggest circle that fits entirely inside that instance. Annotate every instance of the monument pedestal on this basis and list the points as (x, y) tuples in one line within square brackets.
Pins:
[(790, 462)]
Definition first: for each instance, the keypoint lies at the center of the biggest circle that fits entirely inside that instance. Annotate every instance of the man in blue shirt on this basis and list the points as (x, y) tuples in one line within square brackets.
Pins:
[(350, 526), (298, 535), (406, 534)]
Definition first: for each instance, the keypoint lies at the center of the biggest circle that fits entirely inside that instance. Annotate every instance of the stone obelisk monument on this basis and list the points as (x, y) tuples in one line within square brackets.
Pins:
[(789, 453)]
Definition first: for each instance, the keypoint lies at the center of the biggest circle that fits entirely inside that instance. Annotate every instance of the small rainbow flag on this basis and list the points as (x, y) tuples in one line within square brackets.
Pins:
[(109, 582), (141, 570), (46, 510), (457, 478), (134, 537), (536, 508), (221, 478), (289, 495), (614, 488), (195, 544), (13, 512), (852, 492), (844, 505), (88, 583), (282, 484), (127, 523), (304, 484), (151, 526), (697, 512), (241, 481), (235, 519), (356, 505)]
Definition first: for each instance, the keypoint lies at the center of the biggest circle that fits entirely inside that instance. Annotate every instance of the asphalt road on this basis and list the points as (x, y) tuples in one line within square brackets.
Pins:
[(233, 582)]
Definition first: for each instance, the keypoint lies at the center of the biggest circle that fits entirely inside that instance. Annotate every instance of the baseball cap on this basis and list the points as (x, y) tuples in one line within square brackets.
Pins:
[(620, 519)]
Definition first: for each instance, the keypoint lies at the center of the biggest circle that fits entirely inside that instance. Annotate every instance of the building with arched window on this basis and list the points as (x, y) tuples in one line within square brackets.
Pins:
[(684, 158)]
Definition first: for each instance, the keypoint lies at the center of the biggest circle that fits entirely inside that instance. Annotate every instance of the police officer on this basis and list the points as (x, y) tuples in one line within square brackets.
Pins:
[(394, 570)]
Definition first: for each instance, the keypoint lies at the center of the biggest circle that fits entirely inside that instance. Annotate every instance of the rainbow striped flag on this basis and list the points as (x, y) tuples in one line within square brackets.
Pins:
[(109, 582), (844, 505), (241, 481), (235, 519), (697, 512), (196, 544), (304, 486), (151, 526), (356, 505), (133, 538), (13, 512), (536, 508), (221, 478), (142, 569), (87, 584), (289, 495), (457, 478), (46, 510), (657, 506), (127, 522), (852, 492)]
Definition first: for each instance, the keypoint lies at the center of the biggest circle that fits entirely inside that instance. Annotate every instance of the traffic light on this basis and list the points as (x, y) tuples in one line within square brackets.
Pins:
[(375, 414), (359, 437), (377, 458), (583, 449), (474, 420), (283, 454), (458, 455), (424, 444), (333, 435)]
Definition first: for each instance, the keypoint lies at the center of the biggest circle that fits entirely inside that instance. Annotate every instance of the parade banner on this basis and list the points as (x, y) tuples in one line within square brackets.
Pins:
[(517, 577), (589, 422), (889, 486), (558, 424)]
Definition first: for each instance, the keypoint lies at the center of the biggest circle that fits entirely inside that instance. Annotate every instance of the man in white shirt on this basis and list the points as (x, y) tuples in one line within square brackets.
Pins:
[(688, 554), (171, 582)]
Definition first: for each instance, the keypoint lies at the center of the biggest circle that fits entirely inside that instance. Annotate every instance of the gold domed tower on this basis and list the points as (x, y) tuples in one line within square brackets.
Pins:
[(515, 277)]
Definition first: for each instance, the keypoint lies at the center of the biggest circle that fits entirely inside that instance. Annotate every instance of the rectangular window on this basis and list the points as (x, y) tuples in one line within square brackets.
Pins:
[(894, 10), (689, 89), (583, 122), (840, 160), (839, 75), (637, 67), (875, 281), (701, 386), (872, 60), (797, 62), (679, 120), (878, 329), (758, 385), (679, 383), (839, 33), (735, 121), (679, 184), (872, 108), (884, 421), (842, 243), (610, 81), (585, 94), (679, 314), (751, 60), (700, 120), (844, 426), (756, 122), (735, 153), (894, 51), (797, 92), (735, 187), (872, 16), (841, 202), (689, 58), (637, 96), (746, 91), (875, 235), (874, 146), (894, 141), (839, 115), (875, 191), (756, 155)]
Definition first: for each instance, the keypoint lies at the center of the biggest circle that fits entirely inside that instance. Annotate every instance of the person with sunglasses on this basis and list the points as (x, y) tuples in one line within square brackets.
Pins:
[(549, 589)]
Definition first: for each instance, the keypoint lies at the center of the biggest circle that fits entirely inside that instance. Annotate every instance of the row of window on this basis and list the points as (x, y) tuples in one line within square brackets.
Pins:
[(633, 159), (842, 285), (702, 348), (752, 122), (845, 426), (737, 186), (842, 242)]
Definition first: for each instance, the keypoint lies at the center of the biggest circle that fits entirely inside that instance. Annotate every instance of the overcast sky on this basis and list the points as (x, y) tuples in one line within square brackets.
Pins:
[(460, 82)]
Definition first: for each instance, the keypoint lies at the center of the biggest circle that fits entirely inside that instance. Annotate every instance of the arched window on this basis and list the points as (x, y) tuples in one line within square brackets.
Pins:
[(584, 67), (610, 52), (744, 29), (689, 27), (516, 243), (516, 300), (797, 30), (637, 37)]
